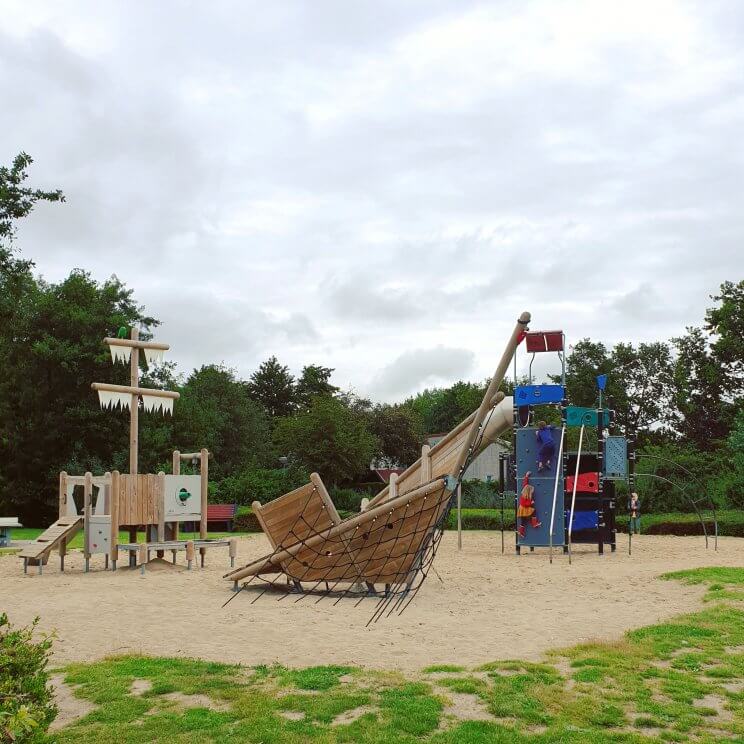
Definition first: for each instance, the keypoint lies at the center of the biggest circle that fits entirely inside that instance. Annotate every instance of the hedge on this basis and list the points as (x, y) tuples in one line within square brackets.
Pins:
[(730, 523)]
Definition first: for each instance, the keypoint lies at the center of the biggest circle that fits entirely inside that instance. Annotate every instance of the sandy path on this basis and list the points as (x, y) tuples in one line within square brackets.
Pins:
[(490, 607)]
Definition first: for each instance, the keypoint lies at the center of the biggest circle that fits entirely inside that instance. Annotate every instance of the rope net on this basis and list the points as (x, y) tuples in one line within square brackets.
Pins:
[(386, 557)]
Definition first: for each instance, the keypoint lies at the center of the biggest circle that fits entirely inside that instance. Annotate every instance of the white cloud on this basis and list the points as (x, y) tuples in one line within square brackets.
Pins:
[(345, 183)]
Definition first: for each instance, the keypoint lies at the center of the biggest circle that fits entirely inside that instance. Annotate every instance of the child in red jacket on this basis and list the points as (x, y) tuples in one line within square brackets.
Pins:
[(526, 508)]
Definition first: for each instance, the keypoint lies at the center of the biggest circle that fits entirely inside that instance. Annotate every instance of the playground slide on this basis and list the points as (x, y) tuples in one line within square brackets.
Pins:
[(63, 529)]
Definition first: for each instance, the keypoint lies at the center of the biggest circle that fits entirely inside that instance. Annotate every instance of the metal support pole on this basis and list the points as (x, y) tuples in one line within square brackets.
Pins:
[(558, 471), (459, 516), (573, 495)]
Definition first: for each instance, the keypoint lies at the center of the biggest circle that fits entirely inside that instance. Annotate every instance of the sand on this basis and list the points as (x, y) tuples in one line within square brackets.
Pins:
[(490, 606)]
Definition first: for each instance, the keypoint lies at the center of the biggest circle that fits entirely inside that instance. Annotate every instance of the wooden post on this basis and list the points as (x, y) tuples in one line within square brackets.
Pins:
[(393, 492), (189, 553), (87, 495), (114, 542), (204, 471), (161, 511), (62, 494), (233, 550), (142, 557), (134, 405), (176, 471), (425, 464), (62, 552)]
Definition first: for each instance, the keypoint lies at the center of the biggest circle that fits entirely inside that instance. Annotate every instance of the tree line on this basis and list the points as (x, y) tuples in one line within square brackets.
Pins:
[(682, 398)]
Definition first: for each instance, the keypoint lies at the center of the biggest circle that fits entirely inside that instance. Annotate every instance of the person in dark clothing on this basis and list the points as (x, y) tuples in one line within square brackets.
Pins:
[(546, 443)]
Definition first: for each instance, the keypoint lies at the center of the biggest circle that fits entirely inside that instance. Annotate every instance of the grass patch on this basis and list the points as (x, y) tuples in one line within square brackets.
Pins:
[(681, 680)]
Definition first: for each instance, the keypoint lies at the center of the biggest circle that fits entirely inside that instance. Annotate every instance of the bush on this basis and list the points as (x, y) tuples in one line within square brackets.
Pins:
[(347, 499), (261, 484), (247, 522), (477, 494), (27, 705)]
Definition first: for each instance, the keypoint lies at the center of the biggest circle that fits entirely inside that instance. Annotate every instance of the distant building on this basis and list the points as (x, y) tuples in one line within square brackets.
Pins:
[(384, 473), (485, 467)]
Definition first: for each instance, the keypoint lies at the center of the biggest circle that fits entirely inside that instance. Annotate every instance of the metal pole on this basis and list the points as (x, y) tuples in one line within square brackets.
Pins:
[(459, 516), (573, 495), (558, 469)]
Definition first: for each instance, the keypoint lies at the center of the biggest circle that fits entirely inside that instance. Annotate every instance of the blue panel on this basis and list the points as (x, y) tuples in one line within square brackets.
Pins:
[(583, 520), (544, 483), (615, 462), (543, 496), (535, 395)]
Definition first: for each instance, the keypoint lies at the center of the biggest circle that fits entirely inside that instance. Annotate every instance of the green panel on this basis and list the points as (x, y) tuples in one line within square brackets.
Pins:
[(577, 415)]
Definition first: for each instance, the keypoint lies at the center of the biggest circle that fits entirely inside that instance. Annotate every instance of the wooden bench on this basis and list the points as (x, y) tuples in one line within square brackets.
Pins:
[(222, 513)]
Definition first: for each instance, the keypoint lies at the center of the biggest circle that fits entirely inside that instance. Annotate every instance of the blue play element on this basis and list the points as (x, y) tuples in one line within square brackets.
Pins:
[(544, 483), (535, 395), (601, 381), (615, 461), (583, 520)]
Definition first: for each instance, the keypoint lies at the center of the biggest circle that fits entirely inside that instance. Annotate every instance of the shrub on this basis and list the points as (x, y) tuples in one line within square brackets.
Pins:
[(347, 499), (477, 494), (261, 484), (247, 522), (26, 703)]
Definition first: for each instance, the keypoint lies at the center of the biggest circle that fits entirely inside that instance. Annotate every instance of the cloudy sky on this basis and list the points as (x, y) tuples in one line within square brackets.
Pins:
[(381, 187)]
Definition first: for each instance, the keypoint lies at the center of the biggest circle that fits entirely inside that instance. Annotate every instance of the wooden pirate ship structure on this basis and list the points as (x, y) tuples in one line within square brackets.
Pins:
[(387, 549)]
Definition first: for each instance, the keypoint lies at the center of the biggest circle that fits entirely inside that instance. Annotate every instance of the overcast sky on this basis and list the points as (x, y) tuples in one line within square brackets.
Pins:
[(382, 187)]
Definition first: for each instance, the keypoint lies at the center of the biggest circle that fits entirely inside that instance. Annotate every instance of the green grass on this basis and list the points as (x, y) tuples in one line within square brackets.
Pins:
[(678, 681), (31, 533)]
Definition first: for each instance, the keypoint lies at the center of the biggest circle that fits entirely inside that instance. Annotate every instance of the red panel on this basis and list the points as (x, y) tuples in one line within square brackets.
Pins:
[(587, 483), (544, 341)]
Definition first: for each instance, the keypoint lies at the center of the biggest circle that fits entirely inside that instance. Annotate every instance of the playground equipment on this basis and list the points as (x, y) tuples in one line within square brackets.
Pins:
[(393, 541), (156, 504), (574, 491)]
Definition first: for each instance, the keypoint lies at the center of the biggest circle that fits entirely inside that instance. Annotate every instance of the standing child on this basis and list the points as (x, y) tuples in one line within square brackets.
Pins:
[(634, 507), (526, 509), (545, 439)]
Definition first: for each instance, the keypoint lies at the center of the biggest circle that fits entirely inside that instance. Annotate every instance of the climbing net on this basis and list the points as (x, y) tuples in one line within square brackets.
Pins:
[(393, 548)]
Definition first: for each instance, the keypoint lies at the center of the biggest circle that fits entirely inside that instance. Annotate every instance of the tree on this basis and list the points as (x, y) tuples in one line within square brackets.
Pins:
[(725, 324), (216, 411), (314, 380), (586, 360), (51, 419), (329, 438), (441, 409), (398, 431), (703, 414), (272, 386)]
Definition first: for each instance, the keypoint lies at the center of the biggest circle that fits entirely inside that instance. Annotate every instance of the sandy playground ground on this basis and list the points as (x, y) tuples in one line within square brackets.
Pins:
[(490, 606)]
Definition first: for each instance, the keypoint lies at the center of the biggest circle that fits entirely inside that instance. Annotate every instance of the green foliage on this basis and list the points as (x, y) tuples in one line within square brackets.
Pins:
[(51, 420), (217, 412), (478, 494), (329, 438), (273, 387), (441, 409), (16, 200), (314, 380), (26, 703), (260, 484), (398, 431), (347, 499)]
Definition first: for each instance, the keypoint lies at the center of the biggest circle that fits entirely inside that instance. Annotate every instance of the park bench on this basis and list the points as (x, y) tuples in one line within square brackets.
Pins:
[(222, 513)]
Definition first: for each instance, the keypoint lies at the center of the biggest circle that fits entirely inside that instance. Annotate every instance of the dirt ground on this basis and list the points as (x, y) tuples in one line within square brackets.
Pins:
[(490, 606)]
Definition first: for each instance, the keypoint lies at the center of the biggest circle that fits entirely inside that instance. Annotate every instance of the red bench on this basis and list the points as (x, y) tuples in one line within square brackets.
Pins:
[(222, 513)]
